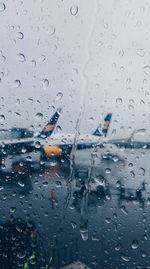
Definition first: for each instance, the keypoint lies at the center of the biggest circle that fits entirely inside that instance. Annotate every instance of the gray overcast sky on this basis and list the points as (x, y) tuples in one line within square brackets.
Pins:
[(60, 50)]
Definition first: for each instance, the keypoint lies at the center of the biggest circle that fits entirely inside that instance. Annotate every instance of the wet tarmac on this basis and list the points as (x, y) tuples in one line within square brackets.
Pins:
[(93, 211)]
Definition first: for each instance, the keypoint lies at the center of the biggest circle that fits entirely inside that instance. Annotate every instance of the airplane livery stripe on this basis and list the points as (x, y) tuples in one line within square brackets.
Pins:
[(106, 125), (49, 127)]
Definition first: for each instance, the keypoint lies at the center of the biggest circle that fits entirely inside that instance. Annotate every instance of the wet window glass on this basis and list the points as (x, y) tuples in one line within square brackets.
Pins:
[(74, 134)]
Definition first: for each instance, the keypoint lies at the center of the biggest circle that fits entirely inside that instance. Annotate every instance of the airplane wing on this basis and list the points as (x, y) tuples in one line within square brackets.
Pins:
[(16, 140)]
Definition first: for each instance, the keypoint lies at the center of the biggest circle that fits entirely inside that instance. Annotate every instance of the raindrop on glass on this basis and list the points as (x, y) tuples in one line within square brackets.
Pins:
[(2, 7), (131, 108), (118, 247), (39, 116), (146, 69), (45, 83), (42, 58), (59, 95), (119, 101), (108, 170), (20, 35), (17, 114), (23, 150), (135, 244), (45, 183), (58, 184), (142, 171), (17, 83), (148, 201), (125, 258), (20, 183), (123, 209), (37, 145), (12, 209), (51, 30), (2, 117), (74, 10), (58, 129), (21, 57)]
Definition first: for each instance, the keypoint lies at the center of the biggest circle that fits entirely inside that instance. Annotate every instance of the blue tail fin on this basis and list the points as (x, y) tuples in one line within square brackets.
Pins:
[(104, 130), (50, 126)]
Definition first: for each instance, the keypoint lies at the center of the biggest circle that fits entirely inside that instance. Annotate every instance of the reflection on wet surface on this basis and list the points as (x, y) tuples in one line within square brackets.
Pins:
[(96, 213)]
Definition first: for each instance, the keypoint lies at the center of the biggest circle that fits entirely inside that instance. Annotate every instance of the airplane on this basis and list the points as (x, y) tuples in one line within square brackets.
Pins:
[(61, 145), (17, 142), (131, 142)]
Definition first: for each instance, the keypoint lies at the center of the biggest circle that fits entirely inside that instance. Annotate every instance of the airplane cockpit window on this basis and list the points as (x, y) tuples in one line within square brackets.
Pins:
[(74, 134)]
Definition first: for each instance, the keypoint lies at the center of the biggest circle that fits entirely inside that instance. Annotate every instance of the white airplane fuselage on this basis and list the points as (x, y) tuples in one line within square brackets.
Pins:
[(62, 144), (69, 139)]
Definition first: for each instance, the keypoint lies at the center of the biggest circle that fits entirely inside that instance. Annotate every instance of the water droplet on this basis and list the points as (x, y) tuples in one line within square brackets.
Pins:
[(2, 7), (135, 244), (18, 101), (39, 116), (21, 255), (2, 58), (130, 165), (141, 52), (125, 258), (121, 52), (132, 174), (118, 247), (146, 69), (23, 150), (30, 100), (37, 145), (45, 83), (115, 159), (145, 237), (74, 225), (58, 129), (140, 132), (33, 62), (21, 57), (59, 95), (20, 183), (74, 10), (118, 184), (12, 209), (108, 170), (1, 74), (148, 201), (2, 117), (45, 183), (131, 101), (51, 30), (107, 220), (119, 101), (131, 108), (91, 119), (17, 114), (42, 58), (123, 209), (142, 171), (20, 35), (58, 184), (17, 83), (144, 254)]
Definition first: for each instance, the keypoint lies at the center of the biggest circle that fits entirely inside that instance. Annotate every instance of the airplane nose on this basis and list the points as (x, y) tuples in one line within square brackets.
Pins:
[(52, 151)]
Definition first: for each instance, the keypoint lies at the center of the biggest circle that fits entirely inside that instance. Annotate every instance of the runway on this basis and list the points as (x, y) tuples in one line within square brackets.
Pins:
[(89, 210)]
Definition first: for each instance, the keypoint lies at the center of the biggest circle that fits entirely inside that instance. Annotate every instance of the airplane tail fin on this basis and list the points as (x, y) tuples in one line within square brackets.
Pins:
[(104, 130), (50, 126)]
